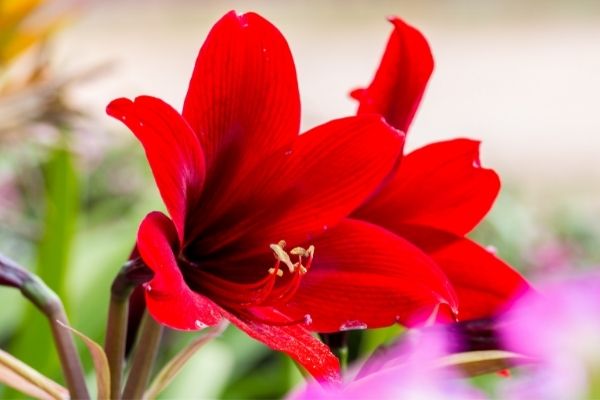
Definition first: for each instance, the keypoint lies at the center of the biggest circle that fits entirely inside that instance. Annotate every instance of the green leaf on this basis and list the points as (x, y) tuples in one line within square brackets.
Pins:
[(100, 363), (33, 341), (475, 363), (174, 366), (62, 206), (18, 375)]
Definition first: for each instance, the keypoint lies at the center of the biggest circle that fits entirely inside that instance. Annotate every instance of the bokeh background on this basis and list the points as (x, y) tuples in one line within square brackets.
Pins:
[(523, 77)]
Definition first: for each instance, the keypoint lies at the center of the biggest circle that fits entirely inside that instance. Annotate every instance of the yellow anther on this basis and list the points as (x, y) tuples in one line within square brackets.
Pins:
[(301, 251), (298, 251), (310, 251), (279, 272), (282, 256)]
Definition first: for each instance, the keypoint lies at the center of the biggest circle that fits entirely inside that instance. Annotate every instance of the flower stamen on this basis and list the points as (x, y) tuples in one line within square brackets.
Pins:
[(272, 289), (281, 255), (302, 252), (288, 288)]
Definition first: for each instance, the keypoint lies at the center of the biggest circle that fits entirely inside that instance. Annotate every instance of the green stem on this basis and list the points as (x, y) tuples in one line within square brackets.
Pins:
[(68, 354), (342, 354), (144, 356), (114, 343), (34, 289), (116, 333), (132, 274)]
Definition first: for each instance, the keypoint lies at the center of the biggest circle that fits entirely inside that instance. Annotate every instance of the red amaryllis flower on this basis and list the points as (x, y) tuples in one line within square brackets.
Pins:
[(239, 183), (440, 192)]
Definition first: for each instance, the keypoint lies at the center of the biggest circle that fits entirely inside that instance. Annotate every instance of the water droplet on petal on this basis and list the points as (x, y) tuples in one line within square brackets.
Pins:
[(325, 227), (353, 325), (476, 164), (307, 319), (200, 324), (288, 153), (491, 249), (147, 287)]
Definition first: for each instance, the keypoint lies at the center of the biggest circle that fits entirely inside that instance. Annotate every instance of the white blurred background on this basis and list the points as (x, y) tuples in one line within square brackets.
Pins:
[(524, 77)]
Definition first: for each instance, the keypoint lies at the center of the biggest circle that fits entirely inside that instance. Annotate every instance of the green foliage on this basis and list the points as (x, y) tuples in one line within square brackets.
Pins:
[(33, 342)]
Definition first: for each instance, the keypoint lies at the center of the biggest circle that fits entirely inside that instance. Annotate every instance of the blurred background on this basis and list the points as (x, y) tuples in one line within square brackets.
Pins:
[(523, 77)]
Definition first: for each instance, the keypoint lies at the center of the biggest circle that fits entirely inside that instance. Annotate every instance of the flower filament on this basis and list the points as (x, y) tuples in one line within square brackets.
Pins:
[(276, 287)]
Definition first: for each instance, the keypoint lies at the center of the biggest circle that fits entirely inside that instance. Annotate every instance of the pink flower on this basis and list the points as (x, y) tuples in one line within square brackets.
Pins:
[(560, 327), (411, 371)]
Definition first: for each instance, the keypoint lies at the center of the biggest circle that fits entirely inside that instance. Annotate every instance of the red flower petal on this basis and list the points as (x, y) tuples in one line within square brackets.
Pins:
[(297, 342), (299, 194), (364, 276), (485, 285), (172, 149), (400, 81), (168, 298), (243, 99), (441, 185)]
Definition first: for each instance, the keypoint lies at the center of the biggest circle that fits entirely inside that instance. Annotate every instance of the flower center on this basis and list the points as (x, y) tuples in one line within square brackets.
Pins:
[(281, 292), (277, 286), (273, 293), (283, 257)]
